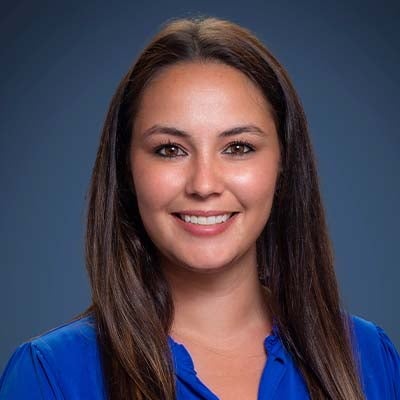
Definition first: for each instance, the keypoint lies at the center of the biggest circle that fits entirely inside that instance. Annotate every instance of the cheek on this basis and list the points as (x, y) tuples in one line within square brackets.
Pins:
[(155, 185), (255, 185), (254, 188)]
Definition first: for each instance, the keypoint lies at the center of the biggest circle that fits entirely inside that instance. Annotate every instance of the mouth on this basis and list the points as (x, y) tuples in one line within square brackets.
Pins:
[(205, 221)]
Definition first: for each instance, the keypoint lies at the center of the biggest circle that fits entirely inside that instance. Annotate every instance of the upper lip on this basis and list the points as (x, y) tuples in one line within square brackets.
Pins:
[(203, 213)]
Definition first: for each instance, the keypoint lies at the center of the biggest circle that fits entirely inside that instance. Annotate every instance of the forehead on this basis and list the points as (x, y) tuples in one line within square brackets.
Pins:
[(201, 95)]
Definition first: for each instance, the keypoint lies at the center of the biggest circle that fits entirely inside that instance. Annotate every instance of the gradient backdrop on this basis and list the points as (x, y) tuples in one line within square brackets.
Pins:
[(60, 64)]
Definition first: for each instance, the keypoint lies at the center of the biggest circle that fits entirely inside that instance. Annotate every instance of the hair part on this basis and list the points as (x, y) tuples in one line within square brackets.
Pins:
[(130, 294)]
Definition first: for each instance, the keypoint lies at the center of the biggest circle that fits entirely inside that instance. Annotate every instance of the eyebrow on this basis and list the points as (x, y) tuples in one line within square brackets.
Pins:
[(159, 129)]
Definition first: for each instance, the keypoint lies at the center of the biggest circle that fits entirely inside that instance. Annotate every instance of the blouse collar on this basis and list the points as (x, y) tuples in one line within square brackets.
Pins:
[(183, 361)]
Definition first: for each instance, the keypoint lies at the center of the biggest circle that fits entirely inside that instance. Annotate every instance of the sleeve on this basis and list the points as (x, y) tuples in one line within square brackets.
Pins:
[(392, 360), (28, 376)]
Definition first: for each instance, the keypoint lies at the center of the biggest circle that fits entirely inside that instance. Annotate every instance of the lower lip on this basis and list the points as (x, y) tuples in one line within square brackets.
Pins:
[(206, 230)]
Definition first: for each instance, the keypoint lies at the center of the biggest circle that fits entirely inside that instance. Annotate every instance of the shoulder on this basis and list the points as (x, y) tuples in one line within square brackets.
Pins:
[(378, 358), (56, 364), (365, 333), (369, 337), (66, 340)]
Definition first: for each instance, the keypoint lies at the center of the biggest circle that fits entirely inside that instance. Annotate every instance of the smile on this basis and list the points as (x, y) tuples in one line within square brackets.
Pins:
[(205, 226), (200, 220)]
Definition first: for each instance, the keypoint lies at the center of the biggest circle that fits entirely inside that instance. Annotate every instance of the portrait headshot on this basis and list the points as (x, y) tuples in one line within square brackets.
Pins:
[(200, 201)]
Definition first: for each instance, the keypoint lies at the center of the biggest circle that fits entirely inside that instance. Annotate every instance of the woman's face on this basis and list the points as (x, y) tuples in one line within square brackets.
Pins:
[(204, 140)]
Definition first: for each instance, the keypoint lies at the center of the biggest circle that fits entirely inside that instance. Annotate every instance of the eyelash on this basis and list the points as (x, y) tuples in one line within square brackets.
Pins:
[(234, 143)]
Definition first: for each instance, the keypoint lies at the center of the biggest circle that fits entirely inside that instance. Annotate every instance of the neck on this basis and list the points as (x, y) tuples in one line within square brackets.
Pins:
[(222, 306)]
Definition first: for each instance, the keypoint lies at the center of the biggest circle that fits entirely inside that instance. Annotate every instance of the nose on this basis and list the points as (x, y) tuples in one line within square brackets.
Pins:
[(205, 177)]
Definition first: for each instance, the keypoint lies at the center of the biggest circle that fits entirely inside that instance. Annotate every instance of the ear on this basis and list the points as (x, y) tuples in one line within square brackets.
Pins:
[(280, 167)]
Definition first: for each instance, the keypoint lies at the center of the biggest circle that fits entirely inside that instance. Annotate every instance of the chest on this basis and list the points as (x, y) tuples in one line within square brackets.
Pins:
[(230, 376)]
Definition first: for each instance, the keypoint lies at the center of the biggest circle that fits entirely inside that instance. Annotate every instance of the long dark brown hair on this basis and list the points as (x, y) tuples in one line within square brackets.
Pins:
[(131, 300)]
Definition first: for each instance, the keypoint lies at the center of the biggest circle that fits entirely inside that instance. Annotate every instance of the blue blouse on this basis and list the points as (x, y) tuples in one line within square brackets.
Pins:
[(64, 363)]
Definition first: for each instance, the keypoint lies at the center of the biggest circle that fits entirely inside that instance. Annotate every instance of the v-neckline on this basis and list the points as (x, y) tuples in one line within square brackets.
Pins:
[(273, 368)]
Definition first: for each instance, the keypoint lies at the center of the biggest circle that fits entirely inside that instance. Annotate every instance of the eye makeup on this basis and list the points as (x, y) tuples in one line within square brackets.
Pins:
[(173, 145)]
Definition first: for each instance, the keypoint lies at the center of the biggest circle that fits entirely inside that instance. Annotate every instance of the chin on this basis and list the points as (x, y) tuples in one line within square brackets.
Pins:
[(214, 260), (205, 266), (206, 269)]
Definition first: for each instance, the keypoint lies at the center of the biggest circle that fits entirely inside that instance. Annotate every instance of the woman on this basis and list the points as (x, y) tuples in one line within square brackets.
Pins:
[(207, 249)]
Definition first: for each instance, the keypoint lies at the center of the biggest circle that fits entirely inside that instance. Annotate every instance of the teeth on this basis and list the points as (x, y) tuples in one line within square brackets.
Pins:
[(193, 219)]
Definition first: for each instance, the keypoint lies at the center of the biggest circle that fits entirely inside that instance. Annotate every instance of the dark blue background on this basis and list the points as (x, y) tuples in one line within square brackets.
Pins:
[(60, 64)]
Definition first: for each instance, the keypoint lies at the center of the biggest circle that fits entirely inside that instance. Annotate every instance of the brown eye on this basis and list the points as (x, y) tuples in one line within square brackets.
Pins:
[(169, 150), (240, 148)]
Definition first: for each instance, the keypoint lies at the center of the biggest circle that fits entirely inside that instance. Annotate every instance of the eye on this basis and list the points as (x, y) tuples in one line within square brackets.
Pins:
[(239, 148), (169, 150)]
